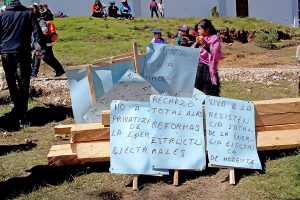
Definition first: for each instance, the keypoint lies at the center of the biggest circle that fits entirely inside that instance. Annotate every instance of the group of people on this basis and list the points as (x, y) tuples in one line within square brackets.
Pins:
[(204, 37), (99, 10), (157, 7), (21, 27)]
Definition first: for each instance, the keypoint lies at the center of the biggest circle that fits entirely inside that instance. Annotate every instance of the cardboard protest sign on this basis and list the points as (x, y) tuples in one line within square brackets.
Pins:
[(171, 70), (230, 133), (80, 93), (130, 132), (105, 77), (131, 87), (178, 136)]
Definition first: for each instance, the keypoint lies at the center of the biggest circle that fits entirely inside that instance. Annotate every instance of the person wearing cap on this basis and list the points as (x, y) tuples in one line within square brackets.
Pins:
[(17, 25), (183, 38), (125, 10), (113, 9), (157, 38)]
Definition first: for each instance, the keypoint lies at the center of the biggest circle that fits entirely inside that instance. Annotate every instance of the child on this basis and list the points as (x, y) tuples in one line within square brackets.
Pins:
[(157, 38), (113, 9), (207, 78), (183, 39), (161, 9), (153, 8)]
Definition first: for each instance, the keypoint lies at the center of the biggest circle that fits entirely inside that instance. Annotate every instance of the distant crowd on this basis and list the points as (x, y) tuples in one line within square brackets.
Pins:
[(101, 11)]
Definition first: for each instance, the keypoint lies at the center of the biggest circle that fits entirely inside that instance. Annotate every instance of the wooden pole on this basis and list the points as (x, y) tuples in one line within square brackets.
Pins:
[(232, 176), (137, 64), (91, 84), (176, 178), (135, 183)]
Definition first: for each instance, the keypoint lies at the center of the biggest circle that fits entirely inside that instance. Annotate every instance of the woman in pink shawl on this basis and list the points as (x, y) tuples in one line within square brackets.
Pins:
[(207, 78)]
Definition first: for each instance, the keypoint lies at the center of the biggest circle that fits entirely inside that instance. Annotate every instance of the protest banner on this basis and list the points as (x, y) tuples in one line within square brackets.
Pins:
[(230, 133), (131, 87), (171, 70), (130, 132), (178, 136), (80, 93)]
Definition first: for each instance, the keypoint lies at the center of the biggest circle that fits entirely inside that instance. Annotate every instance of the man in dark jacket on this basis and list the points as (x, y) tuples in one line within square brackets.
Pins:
[(17, 24)]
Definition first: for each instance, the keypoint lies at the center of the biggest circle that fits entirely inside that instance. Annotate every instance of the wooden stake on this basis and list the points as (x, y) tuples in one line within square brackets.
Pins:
[(137, 64), (91, 84), (232, 176), (176, 178), (135, 183)]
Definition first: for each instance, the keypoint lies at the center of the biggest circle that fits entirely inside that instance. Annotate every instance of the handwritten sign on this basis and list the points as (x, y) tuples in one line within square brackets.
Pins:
[(131, 87), (129, 138), (171, 70), (230, 133), (104, 78), (178, 140), (80, 93)]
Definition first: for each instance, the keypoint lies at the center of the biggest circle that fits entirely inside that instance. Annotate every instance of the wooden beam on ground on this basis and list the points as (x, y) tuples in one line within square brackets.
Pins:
[(135, 182), (106, 117), (277, 127), (89, 132), (277, 119), (232, 180), (92, 151), (137, 63), (276, 106), (61, 155), (281, 139), (62, 129)]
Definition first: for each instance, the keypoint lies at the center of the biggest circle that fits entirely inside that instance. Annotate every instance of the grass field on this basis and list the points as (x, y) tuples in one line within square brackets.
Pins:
[(25, 174)]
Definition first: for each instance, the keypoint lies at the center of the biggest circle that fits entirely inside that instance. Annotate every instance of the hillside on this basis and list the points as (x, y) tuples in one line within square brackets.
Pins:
[(82, 39)]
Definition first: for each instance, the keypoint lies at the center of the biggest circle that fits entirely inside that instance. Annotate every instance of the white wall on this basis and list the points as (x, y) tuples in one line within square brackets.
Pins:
[(278, 11), (182, 8)]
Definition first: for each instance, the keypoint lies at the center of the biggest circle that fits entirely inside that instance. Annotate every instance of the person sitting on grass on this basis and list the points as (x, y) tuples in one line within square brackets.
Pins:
[(157, 37), (97, 9), (125, 10), (113, 9)]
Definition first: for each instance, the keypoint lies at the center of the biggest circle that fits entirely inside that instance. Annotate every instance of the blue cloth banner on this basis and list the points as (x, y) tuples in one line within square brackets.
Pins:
[(130, 132), (178, 136), (171, 70), (230, 133), (131, 87), (80, 93)]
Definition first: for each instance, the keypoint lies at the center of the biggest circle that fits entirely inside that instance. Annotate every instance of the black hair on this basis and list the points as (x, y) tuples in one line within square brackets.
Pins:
[(206, 24)]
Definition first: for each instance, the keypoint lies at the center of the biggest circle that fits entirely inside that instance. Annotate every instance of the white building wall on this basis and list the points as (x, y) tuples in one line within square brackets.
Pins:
[(227, 8), (278, 11)]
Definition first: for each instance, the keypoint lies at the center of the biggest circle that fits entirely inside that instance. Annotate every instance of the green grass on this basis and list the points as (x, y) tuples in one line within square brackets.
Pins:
[(82, 39)]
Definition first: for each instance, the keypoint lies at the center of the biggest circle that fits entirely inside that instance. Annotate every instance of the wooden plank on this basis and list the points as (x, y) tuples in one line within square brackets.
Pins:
[(137, 63), (277, 127), (89, 132), (232, 180), (281, 139), (106, 117), (62, 129), (60, 155), (135, 182), (176, 177), (277, 119), (92, 151), (91, 84), (276, 106)]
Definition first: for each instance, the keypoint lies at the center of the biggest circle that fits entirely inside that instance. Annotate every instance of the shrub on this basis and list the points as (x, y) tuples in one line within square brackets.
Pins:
[(266, 40), (214, 12)]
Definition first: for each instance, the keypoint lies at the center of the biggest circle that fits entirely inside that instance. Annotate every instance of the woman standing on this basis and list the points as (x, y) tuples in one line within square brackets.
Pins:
[(207, 78)]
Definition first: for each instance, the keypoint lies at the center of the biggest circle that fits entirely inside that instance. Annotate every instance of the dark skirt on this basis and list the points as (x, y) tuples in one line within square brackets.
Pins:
[(203, 81)]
